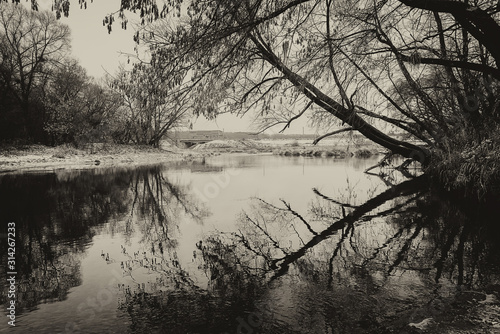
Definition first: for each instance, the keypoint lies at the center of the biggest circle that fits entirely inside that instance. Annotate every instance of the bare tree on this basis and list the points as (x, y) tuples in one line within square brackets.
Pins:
[(31, 44), (408, 66), (151, 109), (78, 109)]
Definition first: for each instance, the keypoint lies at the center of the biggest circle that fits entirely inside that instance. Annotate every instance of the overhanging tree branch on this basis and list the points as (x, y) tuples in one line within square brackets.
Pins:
[(494, 72), (477, 21), (319, 98), (332, 133), (296, 116)]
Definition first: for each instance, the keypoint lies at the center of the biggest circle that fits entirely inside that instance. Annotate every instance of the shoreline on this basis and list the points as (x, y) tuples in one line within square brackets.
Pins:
[(40, 158)]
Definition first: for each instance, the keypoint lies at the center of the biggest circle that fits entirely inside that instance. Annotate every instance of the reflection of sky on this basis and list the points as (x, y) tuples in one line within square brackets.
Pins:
[(272, 178), (92, 305)]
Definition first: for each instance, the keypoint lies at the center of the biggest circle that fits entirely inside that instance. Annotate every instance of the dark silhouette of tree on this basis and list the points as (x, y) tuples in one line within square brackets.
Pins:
[(79, 110), (427, 70), (54, 219), (31, 45)]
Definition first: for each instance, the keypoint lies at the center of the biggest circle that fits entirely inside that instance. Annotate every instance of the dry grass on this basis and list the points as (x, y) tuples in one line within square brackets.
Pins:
[(472, 166), (38, 157)]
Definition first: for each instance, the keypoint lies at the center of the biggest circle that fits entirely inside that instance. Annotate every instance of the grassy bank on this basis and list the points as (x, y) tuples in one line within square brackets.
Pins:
[(21, 158), (471, 168), (324, 152), (330, 149), (334, 149)]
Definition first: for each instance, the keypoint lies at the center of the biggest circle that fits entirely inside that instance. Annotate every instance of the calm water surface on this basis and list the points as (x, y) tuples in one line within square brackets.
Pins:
[(239, 244)]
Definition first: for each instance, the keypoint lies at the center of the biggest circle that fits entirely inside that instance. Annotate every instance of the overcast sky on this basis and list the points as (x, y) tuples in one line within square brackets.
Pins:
[(100, 52)]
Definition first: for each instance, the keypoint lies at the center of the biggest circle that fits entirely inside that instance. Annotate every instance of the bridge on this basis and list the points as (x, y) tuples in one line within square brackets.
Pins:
[(190, 138)]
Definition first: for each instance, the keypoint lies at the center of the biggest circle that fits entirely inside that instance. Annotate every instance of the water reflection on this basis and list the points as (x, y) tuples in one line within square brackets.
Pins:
[(54, 219), (138, 251), (403, 256)]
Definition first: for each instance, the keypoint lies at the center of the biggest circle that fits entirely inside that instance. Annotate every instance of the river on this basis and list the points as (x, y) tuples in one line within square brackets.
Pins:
[(245, 244)]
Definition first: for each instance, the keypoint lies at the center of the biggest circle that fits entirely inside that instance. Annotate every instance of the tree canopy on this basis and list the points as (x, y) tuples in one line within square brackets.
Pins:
[(428, 69), (150, 109)]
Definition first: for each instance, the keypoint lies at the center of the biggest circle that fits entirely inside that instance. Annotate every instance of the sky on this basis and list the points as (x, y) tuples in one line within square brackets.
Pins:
[(100, 53)]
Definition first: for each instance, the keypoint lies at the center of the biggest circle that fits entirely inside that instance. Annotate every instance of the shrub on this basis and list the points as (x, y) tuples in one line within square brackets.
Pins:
[(65, 150), (363, 153), (472, 166)]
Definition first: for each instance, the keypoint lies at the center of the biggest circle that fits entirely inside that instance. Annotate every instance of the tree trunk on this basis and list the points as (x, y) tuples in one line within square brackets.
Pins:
[(405, 149)]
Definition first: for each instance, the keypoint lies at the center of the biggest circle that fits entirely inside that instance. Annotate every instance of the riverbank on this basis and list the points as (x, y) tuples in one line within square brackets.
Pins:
[(29, 158), (26, 158), (329, 149)]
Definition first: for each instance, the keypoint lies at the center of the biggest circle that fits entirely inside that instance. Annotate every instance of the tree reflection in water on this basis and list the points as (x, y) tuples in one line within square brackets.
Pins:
[(55, 216), (397, 258), (403, 256), (160, 205), (166, 297)]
